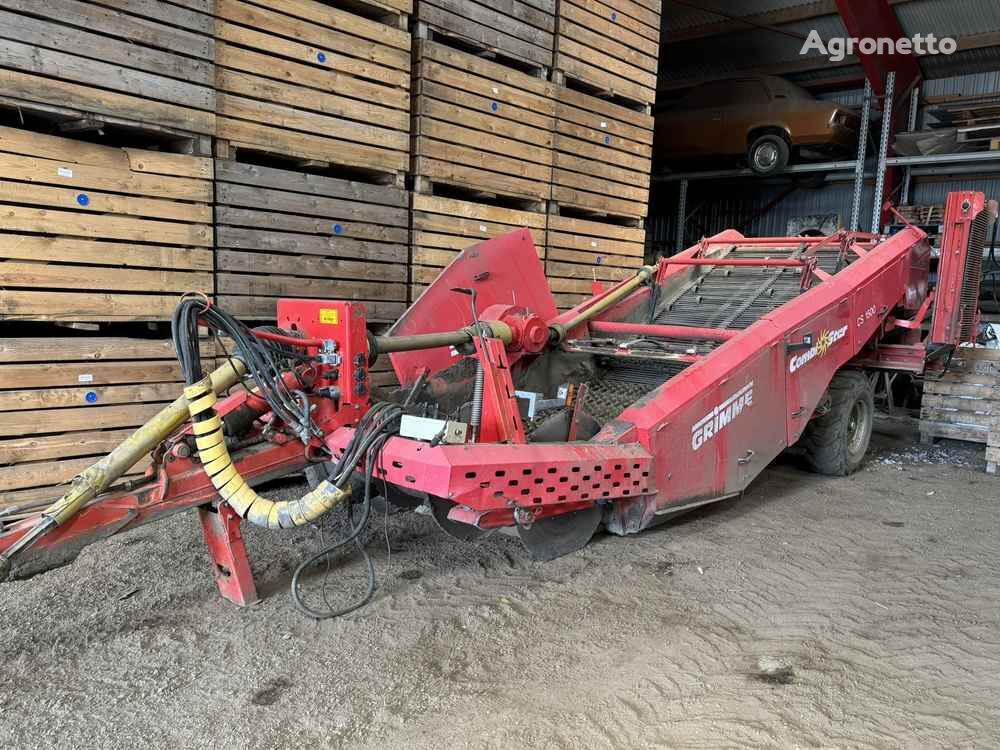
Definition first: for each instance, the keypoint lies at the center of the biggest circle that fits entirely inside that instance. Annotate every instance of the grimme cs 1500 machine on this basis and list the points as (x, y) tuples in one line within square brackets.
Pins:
[(670, 390)]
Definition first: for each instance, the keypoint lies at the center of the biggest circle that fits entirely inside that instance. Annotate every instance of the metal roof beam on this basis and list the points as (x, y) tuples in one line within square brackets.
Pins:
[(876, 19)]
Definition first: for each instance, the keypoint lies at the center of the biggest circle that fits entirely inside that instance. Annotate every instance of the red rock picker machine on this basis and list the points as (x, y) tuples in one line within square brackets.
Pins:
[(670, 390)]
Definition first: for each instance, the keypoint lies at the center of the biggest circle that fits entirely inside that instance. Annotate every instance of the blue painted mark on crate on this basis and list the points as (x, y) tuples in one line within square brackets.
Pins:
[(614, 16), (607, 140), (83, 199), (494, 106), (337, 229), (90, 397), (321, 56), (600, 260)]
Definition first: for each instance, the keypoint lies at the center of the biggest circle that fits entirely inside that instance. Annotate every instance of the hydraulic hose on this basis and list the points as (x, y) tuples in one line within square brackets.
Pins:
[(218, 465)]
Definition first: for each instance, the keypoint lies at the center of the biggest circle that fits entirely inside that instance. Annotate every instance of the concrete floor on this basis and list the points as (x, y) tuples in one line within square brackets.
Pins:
[(856, 612)]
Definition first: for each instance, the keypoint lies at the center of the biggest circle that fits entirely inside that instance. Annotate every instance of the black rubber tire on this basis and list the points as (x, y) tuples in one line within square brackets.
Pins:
[(836, 443), (781, 154)]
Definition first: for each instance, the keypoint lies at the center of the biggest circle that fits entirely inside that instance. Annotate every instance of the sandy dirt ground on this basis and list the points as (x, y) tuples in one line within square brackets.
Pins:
[(813, 612)]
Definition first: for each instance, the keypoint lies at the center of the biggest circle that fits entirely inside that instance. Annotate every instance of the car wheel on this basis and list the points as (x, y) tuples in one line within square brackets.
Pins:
[(769, 154)]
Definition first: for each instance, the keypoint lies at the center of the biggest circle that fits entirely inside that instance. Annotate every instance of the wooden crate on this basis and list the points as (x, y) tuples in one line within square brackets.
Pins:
[(311, 81), (97, 233), (965, 402), (292, 234), (66, 401), (443, 227), (611, 47), (480, 126), (521, 30), (602, 157), (130, 62), (579, 252)]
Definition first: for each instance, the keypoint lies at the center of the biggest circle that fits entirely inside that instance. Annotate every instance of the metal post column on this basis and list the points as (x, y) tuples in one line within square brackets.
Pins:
[(682, 199), (883, 150), (859, 167), (911, 125)]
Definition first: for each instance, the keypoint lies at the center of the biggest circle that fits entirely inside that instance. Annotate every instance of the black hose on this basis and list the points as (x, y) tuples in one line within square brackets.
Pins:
[(375, 428)]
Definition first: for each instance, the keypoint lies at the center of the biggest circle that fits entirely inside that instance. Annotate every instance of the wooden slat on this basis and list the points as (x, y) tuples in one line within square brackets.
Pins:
[(63, 445), (86, 396), (48, 421), (45, 473), (263, 308), (87, 349)]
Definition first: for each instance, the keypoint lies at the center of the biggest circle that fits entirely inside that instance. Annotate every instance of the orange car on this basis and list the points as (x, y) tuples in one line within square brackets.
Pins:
[(764, 117)]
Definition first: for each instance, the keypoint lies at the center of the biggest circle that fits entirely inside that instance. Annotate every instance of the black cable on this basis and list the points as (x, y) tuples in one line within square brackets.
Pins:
[(378, 425)]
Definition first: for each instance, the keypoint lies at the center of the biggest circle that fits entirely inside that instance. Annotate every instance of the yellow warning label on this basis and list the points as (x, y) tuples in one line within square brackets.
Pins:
[(329, 316)]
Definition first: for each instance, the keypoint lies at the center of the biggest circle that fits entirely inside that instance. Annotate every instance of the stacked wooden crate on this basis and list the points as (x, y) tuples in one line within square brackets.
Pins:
[(313, 146), (517, 30), (480, 126), (443, 227), (89, 64), (580, 252), (65, 401), (605, 62), (93, 233), (483, 127), (610, 48), (315, 82), (964, 402), (294, 234)]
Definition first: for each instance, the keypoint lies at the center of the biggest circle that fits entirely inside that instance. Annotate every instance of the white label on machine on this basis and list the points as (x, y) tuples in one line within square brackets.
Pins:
[(64, 172), (85, 378), (716, 420), (482, 228)]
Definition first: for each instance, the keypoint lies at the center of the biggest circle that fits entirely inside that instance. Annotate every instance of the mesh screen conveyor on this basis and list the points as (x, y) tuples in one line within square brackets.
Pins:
[(726, 297)]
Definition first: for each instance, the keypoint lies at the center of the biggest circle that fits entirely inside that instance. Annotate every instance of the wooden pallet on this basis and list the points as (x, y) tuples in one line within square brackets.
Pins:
[(443, 227), (92, 233), (602, 157), (141, 64), (923, 214), (66, 401), (310, 81), (480, 126), (292, 234), (610, 48), (964, 403), (519, 30), (579, 252)]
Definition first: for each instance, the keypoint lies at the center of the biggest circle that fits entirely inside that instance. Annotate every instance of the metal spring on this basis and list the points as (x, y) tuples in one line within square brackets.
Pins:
[(477, 401)]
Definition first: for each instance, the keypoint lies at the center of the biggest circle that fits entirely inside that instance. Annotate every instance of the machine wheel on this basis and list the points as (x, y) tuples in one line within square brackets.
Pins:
[(769, 154), (836, 442)]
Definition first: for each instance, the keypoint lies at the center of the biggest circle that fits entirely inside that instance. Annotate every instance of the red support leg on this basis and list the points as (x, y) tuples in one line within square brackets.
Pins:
[(229, 554)]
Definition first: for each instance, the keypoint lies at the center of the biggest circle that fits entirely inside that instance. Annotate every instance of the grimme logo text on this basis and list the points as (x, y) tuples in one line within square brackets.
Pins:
[(716, 420)]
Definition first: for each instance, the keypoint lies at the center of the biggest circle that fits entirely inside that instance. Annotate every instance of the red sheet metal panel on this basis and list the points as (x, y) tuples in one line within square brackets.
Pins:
[(504, 270)]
